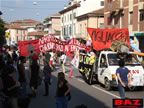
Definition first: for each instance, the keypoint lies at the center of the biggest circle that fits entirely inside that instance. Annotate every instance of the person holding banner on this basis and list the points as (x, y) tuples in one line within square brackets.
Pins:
[(63, 61)]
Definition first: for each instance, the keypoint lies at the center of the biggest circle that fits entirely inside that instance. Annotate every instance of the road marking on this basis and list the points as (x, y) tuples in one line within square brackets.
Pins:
[(95, 87), (82, 81), (105, 91)]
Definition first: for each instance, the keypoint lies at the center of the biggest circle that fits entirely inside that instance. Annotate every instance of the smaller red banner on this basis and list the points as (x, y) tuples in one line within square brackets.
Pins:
[(103, 38)]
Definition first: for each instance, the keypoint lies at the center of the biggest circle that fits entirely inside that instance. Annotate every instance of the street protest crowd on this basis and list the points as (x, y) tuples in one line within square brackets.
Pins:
[(83, 57), (13, 93)]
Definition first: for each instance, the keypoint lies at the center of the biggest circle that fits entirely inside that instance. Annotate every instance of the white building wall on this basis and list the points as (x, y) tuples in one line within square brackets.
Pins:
[(87, 6), (31, 30), (68, 22)]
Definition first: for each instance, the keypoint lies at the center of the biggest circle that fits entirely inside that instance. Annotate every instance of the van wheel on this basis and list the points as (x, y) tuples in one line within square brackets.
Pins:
[(107, 84)]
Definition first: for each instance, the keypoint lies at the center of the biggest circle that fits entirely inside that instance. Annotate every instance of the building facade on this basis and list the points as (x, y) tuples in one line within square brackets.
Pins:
[(19, 30), (53, 26), (69, 21), (94, 19), (76, 8), (16, 33), (87, 6), (126, 14)]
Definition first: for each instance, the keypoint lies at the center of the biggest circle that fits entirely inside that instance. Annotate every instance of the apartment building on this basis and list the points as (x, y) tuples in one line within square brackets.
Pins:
[(53, 26), (20, 29), (69, 21), (76, 8), (94, 19), (126, 14), (17, 33)]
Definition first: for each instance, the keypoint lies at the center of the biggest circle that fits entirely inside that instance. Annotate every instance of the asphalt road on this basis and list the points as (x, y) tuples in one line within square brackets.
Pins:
[(93, 96)]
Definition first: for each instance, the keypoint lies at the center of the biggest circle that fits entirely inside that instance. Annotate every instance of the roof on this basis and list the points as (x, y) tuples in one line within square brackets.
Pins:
[(36, 34), (56, 15), (30, 20), (13, 27), (26, 20), (70, 8), (99, 12)]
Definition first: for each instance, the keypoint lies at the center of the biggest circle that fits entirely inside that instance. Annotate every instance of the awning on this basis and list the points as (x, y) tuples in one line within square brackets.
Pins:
[(67, 38), (139, 34)]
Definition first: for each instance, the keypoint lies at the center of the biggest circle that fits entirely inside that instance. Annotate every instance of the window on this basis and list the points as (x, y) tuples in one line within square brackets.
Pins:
[(115, 20), (122, 21), (102, 3), (70, 17), (103, 63), (64, 31), (65, 18), (70, 29), (101, 25), (109, 1), (80, 28), (74, 15), (62, 19), (142, 15), (131, 18), (67, 30), (85, 30), (74, 29)]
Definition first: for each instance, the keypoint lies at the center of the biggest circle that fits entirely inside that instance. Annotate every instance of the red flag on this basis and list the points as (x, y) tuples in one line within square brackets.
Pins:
[(27, 46), (103, 38)]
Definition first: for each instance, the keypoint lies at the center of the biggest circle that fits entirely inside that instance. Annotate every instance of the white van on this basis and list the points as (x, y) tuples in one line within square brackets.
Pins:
[(107, 63)]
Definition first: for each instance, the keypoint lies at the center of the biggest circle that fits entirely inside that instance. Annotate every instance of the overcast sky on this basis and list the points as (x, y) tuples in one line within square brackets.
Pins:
[(30, 9)]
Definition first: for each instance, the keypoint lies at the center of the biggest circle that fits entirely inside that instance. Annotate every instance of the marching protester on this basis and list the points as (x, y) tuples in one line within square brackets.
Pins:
[(14, 57), (30, 59), (51, 59), (62, 92), (43, 58), (122, 74), (47, 77), (47, 57), (22, 76), (63, 61), (34, 76), (11, 87)]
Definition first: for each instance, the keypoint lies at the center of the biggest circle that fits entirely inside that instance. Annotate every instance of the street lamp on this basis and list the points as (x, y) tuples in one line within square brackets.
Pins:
[(1, 13)]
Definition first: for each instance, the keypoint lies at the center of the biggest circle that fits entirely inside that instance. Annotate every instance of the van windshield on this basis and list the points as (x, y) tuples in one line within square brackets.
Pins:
[(130, 59)]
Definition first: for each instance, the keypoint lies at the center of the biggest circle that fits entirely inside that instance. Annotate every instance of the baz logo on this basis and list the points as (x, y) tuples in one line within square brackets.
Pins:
[(127, 103)]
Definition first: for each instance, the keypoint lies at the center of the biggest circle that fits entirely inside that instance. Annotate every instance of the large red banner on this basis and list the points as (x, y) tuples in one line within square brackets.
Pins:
[(50, 42), (103, 38)]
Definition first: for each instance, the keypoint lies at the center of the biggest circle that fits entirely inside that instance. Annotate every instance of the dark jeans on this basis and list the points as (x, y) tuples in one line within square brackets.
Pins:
[(122, 89), (13, 102), (46, 88), (23, 91), (62, 102)]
